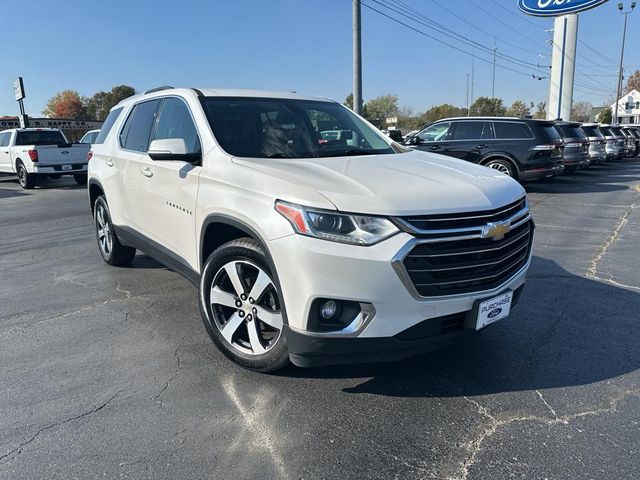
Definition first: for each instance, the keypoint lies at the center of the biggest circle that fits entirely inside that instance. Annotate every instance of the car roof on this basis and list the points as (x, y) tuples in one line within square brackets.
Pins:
[(496, 119), (567, 123), (31, 129), (220, 92)]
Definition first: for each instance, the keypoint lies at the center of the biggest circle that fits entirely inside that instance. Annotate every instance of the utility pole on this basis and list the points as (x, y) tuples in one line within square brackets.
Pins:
[(616, 118), (493, 82), (467, 104), (357, 58), (473, 77)]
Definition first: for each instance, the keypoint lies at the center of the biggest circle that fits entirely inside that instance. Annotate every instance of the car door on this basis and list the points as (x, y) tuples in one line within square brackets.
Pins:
[(433, 138), (5, 157), (170, 187), (469, 140)]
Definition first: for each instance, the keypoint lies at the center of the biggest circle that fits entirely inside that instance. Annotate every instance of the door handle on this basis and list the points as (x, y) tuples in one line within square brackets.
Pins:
[(109, 163), (435, 147), (482, 146), (147, 172)]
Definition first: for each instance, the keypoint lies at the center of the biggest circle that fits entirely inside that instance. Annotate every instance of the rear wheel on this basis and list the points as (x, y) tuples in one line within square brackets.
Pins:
[(502, 166), (112, 251), (81, 179), (27, 180), (242, 308)]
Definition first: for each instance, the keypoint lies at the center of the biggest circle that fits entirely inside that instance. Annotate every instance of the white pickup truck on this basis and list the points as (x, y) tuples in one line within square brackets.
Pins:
[(37, 152)]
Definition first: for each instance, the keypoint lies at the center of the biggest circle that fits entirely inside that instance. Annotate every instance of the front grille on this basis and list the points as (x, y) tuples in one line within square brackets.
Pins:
[(458, 260)]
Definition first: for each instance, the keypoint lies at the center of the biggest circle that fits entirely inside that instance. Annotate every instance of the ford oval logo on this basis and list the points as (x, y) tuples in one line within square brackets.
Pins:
[(495, 313), (553, 8), (64, 152)]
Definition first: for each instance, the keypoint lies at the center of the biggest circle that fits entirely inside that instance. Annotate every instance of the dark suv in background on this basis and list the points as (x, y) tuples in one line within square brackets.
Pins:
[(576, 145), (524, 149)]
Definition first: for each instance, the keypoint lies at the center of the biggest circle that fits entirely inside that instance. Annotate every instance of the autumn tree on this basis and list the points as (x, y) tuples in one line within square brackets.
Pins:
[(581, 111), (541, 111), (442, 111), (518, 109), (487, 107), (99, 105), (348, 102), (378, 109), (66, 104), (605, 115), (633, 83)]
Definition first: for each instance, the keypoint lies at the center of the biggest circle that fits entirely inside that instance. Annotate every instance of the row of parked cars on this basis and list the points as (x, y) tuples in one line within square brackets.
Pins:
[(527, 149)]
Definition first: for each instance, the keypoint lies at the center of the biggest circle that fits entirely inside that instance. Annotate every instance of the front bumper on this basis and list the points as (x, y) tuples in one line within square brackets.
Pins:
[(311, 269), (538, 173)]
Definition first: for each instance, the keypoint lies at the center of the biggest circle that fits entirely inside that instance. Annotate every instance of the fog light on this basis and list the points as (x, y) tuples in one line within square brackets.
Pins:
[(328, 309)]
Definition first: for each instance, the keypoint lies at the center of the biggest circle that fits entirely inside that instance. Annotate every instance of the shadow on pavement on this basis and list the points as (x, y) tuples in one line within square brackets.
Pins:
[(559, 335)]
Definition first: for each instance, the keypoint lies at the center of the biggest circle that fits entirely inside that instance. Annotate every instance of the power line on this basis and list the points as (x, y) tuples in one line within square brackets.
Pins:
[(526, 74), (594, 51), (521, 17)]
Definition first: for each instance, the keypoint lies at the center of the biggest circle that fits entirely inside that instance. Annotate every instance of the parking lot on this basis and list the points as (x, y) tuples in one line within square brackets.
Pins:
[(108, 372)]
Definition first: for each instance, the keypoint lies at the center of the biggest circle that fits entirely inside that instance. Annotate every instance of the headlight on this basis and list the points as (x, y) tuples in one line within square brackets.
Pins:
[(336, 227)]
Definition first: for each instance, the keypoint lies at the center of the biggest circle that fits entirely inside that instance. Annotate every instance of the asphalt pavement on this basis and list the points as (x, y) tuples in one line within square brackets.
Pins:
[(108, 372)]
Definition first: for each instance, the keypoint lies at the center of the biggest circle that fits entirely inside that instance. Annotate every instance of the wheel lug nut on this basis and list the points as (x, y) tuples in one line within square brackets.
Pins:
[(243, 296), (255, 311), (238, 303), (251, 300), (249, 317), (241, 313)]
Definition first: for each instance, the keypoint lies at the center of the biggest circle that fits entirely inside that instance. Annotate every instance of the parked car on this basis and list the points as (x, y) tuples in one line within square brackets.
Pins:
[(635, 131), (621, 140), (597, 142), (524, 149), (576, 145), (305, 250), (632, 141), (395, 135), (31, 153), (90, 136), (612, 147), (410, 135)]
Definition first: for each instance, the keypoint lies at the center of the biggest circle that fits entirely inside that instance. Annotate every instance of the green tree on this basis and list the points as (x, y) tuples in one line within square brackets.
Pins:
[(66, 104), (348, 102), (633, 83), (541, 111), (99, 105), (605, 115), (441, 111), (378, 109), (488, 107), (581, 111), (518, 109)]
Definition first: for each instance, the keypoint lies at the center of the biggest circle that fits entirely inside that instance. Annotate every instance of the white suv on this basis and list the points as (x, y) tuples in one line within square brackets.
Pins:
[(307, 246)]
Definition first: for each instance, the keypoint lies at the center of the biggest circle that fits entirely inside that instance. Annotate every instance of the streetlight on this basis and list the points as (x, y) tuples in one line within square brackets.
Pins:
[(624, 37)]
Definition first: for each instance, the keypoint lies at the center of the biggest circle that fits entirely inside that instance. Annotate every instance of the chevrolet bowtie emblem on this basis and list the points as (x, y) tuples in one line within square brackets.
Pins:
[(496, 230)]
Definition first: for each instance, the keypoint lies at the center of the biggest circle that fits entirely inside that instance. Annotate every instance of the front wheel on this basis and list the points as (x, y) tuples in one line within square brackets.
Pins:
[(503, 166), (112, 251), (27, 180), (242, 308)]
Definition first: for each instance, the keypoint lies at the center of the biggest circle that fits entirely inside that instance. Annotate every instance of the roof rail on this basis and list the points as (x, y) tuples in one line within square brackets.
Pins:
[(158, 89)]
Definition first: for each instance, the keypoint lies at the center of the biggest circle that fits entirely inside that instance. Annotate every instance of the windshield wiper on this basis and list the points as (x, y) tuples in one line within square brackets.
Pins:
[(352, 152), (279, 155)]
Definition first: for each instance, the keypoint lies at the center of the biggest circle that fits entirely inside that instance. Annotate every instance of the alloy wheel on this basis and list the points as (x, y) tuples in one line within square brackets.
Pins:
[(22, 176), (245, 306), (501, 167), (105, 234)]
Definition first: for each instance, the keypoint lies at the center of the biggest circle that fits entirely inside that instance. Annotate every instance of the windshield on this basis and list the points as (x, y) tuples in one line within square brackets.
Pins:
[(287, 128), (40, 137), (551, 132), (592, 132)]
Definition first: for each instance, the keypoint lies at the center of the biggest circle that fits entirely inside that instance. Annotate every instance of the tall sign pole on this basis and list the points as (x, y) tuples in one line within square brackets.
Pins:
[(616, 113), (357, 58), (18, 90)]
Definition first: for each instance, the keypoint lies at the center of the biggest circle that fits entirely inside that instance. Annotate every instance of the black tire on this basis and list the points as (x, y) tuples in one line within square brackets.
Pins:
[(250, 251), (81, 179), (27, 180), (503, 166), (111, 250)]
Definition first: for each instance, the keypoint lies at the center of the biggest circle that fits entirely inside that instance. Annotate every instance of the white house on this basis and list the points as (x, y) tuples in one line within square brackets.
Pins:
[(628, 108)]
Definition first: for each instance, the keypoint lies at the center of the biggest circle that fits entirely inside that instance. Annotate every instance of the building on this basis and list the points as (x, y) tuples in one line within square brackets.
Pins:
[(628, 108), (72, 129)]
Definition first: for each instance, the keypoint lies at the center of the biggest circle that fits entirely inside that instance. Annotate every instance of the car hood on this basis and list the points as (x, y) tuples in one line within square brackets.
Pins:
[(412, 183)]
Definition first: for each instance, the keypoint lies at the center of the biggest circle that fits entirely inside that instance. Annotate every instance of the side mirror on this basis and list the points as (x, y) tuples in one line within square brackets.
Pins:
[(172, 149), (416, 140)]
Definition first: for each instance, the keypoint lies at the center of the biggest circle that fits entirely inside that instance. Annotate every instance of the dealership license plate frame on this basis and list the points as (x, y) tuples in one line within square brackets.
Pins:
[(477, 320), (67, 167)]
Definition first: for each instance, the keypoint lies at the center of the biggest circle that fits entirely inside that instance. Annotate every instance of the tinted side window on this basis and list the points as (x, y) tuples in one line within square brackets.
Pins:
[(137, 129), (108, 125), (435, 133), (174, 121), (471, 131), (512, 130)]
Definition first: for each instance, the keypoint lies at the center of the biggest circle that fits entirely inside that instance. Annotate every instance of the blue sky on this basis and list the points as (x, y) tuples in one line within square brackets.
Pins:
[(301, 45)]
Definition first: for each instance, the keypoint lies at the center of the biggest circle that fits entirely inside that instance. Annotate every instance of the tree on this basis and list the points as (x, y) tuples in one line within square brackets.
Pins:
[(378, 109), (348, 102), (441, 111), (541, 111), (518, 109), (66, 104), (101, 103), (633, 83), (605, 115), (581, 111), (488, 107)]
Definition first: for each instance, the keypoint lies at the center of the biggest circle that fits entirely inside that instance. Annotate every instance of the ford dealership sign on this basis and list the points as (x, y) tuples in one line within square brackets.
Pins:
[(553, 8)]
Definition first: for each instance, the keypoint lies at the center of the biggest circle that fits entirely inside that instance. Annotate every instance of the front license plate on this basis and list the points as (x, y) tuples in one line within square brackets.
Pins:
[(67, 167), (494, 309)]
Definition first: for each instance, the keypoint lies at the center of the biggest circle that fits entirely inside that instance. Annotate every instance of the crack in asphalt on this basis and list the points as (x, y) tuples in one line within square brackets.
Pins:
[(474, 446), (22, 445), (175, 373)]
